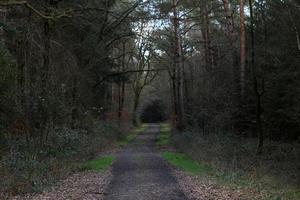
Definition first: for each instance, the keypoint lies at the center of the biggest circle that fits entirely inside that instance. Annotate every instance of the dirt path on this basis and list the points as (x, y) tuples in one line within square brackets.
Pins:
[(141, 173)]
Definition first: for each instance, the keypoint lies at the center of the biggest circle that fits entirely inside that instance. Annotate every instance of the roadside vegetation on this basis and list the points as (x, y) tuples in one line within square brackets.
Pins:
[(186, 163), (230, 162), (99, 164), (26, 168)]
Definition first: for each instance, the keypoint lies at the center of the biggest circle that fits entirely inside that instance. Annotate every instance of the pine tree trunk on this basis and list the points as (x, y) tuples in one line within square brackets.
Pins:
[(242, 50), (178, 66), (257, 93)]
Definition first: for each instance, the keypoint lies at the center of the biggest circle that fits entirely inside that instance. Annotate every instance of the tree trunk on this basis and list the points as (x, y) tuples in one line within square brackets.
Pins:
[(179, 80), (44, 101), (232, 37), (136, 103), (242, 50), (257, 93), (206, 34), (122, 87)]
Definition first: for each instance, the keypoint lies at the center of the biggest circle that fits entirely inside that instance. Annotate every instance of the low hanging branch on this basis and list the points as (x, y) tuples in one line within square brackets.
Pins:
[(126, 72)]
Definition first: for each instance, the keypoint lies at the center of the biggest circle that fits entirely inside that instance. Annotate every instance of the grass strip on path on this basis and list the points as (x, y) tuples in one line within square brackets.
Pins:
[(164, 137), (186, 164), (130, 137), (100, 164)]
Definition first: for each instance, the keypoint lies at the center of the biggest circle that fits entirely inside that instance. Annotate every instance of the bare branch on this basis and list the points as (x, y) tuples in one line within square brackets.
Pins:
[(126, 72), (34, 10)]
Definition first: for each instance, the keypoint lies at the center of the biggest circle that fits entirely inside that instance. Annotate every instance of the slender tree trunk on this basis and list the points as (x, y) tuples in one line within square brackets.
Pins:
[(122, 86), (136, 103), (234, 63), (257, 93), (295, 27), (242, 50), (74, 103), (174, 98), (119, 101), (44, 101), (231, 34), (206, 33), (178, 69)]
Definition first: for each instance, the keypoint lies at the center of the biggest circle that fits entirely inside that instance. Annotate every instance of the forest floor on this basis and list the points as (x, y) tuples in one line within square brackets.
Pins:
[(140, 171)]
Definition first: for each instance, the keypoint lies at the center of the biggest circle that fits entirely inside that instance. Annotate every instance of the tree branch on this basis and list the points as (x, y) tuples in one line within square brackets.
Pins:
[(34, 10), (126, 72)]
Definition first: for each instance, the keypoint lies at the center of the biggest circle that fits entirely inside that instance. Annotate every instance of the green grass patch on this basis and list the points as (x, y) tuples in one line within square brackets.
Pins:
[(165, 127), (126, 140), (187, 164), (130, 137), (164, 137), (99, 164)]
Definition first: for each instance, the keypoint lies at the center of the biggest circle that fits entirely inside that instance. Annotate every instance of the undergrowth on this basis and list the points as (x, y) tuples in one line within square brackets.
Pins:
[(26, 168), (234, 162)]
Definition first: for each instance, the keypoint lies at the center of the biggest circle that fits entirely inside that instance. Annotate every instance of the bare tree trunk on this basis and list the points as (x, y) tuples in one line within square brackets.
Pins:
[(174, 97), (135, 120), (242, 50), (257, 92), (178, 69), (231, 35), (74, 103), (234, 63), (206, 33), (44, 101), (122, 86), (295, 27)]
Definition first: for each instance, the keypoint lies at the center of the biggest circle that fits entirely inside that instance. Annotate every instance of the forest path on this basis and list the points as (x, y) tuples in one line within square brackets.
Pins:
[(141, 173)]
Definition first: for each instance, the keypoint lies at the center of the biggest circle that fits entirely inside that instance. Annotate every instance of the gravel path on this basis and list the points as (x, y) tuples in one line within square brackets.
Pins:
[(141, 173)]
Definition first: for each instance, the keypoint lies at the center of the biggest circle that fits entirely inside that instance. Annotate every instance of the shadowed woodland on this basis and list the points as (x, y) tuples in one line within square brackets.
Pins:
[(77, 77)]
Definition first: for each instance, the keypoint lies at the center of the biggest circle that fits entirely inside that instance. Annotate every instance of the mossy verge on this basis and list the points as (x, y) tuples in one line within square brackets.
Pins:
[(100, 164), (164, 137), (186, 164)]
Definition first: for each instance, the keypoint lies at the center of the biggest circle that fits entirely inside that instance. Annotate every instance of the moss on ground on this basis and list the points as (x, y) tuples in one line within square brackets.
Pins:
[(164, 137), (185, 163), (99, 164), (130, 137)]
